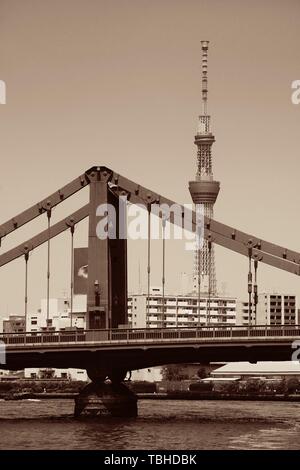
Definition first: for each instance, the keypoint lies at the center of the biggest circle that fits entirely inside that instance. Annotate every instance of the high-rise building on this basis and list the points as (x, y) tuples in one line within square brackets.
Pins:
[(272, 309), (14, 324), (204, 191), (172, 311)]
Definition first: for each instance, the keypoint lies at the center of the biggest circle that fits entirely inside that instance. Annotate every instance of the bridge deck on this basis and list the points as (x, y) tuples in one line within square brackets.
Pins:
[(133, 349), (142, 336)]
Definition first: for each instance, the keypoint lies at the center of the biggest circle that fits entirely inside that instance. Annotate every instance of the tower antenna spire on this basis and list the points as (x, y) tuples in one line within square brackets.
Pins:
[(204, 46)]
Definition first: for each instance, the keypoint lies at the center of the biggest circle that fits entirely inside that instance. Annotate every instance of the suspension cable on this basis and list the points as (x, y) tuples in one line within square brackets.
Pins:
[(209, 276), (250, 282), (72, 229), (149, 261), (255, 289), (26, 256), (163, 267), (199, 286), (48, 259), (199, 266)]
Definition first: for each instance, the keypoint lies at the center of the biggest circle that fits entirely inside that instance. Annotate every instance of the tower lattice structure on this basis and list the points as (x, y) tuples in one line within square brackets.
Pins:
[(204, 191)]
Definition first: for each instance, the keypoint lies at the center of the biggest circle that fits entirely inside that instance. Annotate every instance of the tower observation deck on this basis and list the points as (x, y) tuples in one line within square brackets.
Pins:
[(204, 191)]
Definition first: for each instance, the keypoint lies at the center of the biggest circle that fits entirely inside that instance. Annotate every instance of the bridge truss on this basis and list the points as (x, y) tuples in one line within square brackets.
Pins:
[(107, 259)]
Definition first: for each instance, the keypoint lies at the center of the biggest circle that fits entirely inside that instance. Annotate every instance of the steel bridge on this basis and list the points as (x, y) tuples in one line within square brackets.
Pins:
[(130, 349), (104, 342)]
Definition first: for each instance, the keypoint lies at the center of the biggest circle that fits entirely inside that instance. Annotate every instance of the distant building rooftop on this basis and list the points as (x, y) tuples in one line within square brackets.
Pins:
[(259, 369)]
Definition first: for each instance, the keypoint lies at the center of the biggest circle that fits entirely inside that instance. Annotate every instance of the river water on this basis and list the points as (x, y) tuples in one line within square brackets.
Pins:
[(161, 425)]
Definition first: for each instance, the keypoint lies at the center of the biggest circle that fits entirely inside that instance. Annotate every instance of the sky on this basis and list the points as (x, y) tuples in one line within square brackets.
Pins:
[(118, 83)]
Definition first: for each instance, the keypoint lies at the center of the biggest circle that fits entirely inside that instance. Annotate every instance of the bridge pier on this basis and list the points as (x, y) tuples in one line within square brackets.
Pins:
[(100, 398)]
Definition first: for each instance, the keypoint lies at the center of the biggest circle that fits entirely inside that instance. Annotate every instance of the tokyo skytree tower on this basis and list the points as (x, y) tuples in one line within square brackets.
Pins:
[(204, 190)]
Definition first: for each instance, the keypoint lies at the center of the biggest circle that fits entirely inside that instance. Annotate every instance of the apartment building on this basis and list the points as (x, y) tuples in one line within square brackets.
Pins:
[(272, 309), (173, 311)]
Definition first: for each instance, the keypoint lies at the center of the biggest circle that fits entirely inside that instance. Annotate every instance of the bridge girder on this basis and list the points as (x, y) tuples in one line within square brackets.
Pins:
[(140, 356)]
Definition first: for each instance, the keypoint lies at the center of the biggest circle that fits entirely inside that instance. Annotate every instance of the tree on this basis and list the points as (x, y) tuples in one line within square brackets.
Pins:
[(173, 372), (281, 387), (292, 385), (201, 372), (255, 386)]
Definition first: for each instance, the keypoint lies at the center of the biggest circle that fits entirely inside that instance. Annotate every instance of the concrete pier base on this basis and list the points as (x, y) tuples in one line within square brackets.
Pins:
[(106, 399)]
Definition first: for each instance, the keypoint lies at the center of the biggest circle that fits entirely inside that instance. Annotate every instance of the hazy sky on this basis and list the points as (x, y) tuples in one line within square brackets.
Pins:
[(117, 83)]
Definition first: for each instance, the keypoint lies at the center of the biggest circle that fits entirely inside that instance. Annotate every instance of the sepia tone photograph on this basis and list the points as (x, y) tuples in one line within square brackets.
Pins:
[(149, 228)]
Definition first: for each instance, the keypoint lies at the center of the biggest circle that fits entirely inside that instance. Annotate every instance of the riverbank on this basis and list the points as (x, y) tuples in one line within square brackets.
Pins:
[(158, 396), (216, 396)]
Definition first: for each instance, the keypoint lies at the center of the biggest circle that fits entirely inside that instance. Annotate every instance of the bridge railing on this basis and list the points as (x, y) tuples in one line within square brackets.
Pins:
[(205, 333)]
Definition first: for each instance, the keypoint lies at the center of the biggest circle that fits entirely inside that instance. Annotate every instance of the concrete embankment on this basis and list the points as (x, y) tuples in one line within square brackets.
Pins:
[(160, 396)]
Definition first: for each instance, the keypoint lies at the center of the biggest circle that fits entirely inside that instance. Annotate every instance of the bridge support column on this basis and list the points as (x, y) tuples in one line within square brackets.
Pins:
[(100, 399), (107, 256)]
